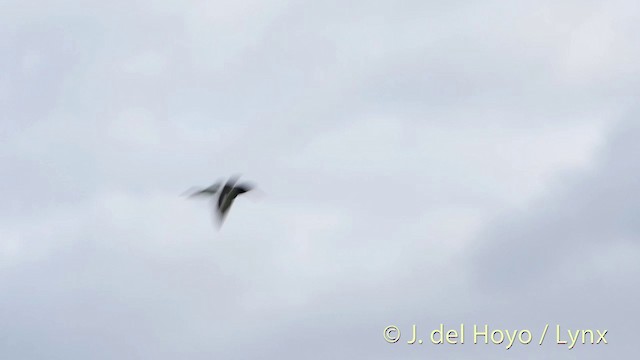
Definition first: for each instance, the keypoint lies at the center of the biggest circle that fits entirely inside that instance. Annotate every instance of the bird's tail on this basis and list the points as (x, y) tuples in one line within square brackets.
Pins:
[(219, 220)]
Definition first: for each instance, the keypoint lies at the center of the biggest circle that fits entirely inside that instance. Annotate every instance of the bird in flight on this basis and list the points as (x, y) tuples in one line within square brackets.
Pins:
[(226, 195)]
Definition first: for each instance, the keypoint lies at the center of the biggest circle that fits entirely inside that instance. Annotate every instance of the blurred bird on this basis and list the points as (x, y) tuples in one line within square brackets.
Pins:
[(226, 196), (229, 193)]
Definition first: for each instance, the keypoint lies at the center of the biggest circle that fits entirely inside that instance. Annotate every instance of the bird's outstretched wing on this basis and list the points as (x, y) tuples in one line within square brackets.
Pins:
[(243, 188), (211, 190)]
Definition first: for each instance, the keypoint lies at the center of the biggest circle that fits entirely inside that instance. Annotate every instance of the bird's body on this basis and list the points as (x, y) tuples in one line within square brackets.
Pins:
[(227, 195)]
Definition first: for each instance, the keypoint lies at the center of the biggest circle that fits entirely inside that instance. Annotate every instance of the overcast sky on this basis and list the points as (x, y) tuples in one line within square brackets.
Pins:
[(420, 162)]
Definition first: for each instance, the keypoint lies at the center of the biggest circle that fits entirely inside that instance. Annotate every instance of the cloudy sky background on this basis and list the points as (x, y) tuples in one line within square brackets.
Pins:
[(421, 162)]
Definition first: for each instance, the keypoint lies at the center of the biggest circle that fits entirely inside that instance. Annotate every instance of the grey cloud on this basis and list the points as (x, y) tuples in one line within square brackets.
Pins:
[(595, 207), (421, 163)]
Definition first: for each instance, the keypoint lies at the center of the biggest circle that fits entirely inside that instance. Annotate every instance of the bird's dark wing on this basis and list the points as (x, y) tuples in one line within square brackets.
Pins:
[(207, 191), (199, 193), (196, 192), (243, 188)]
